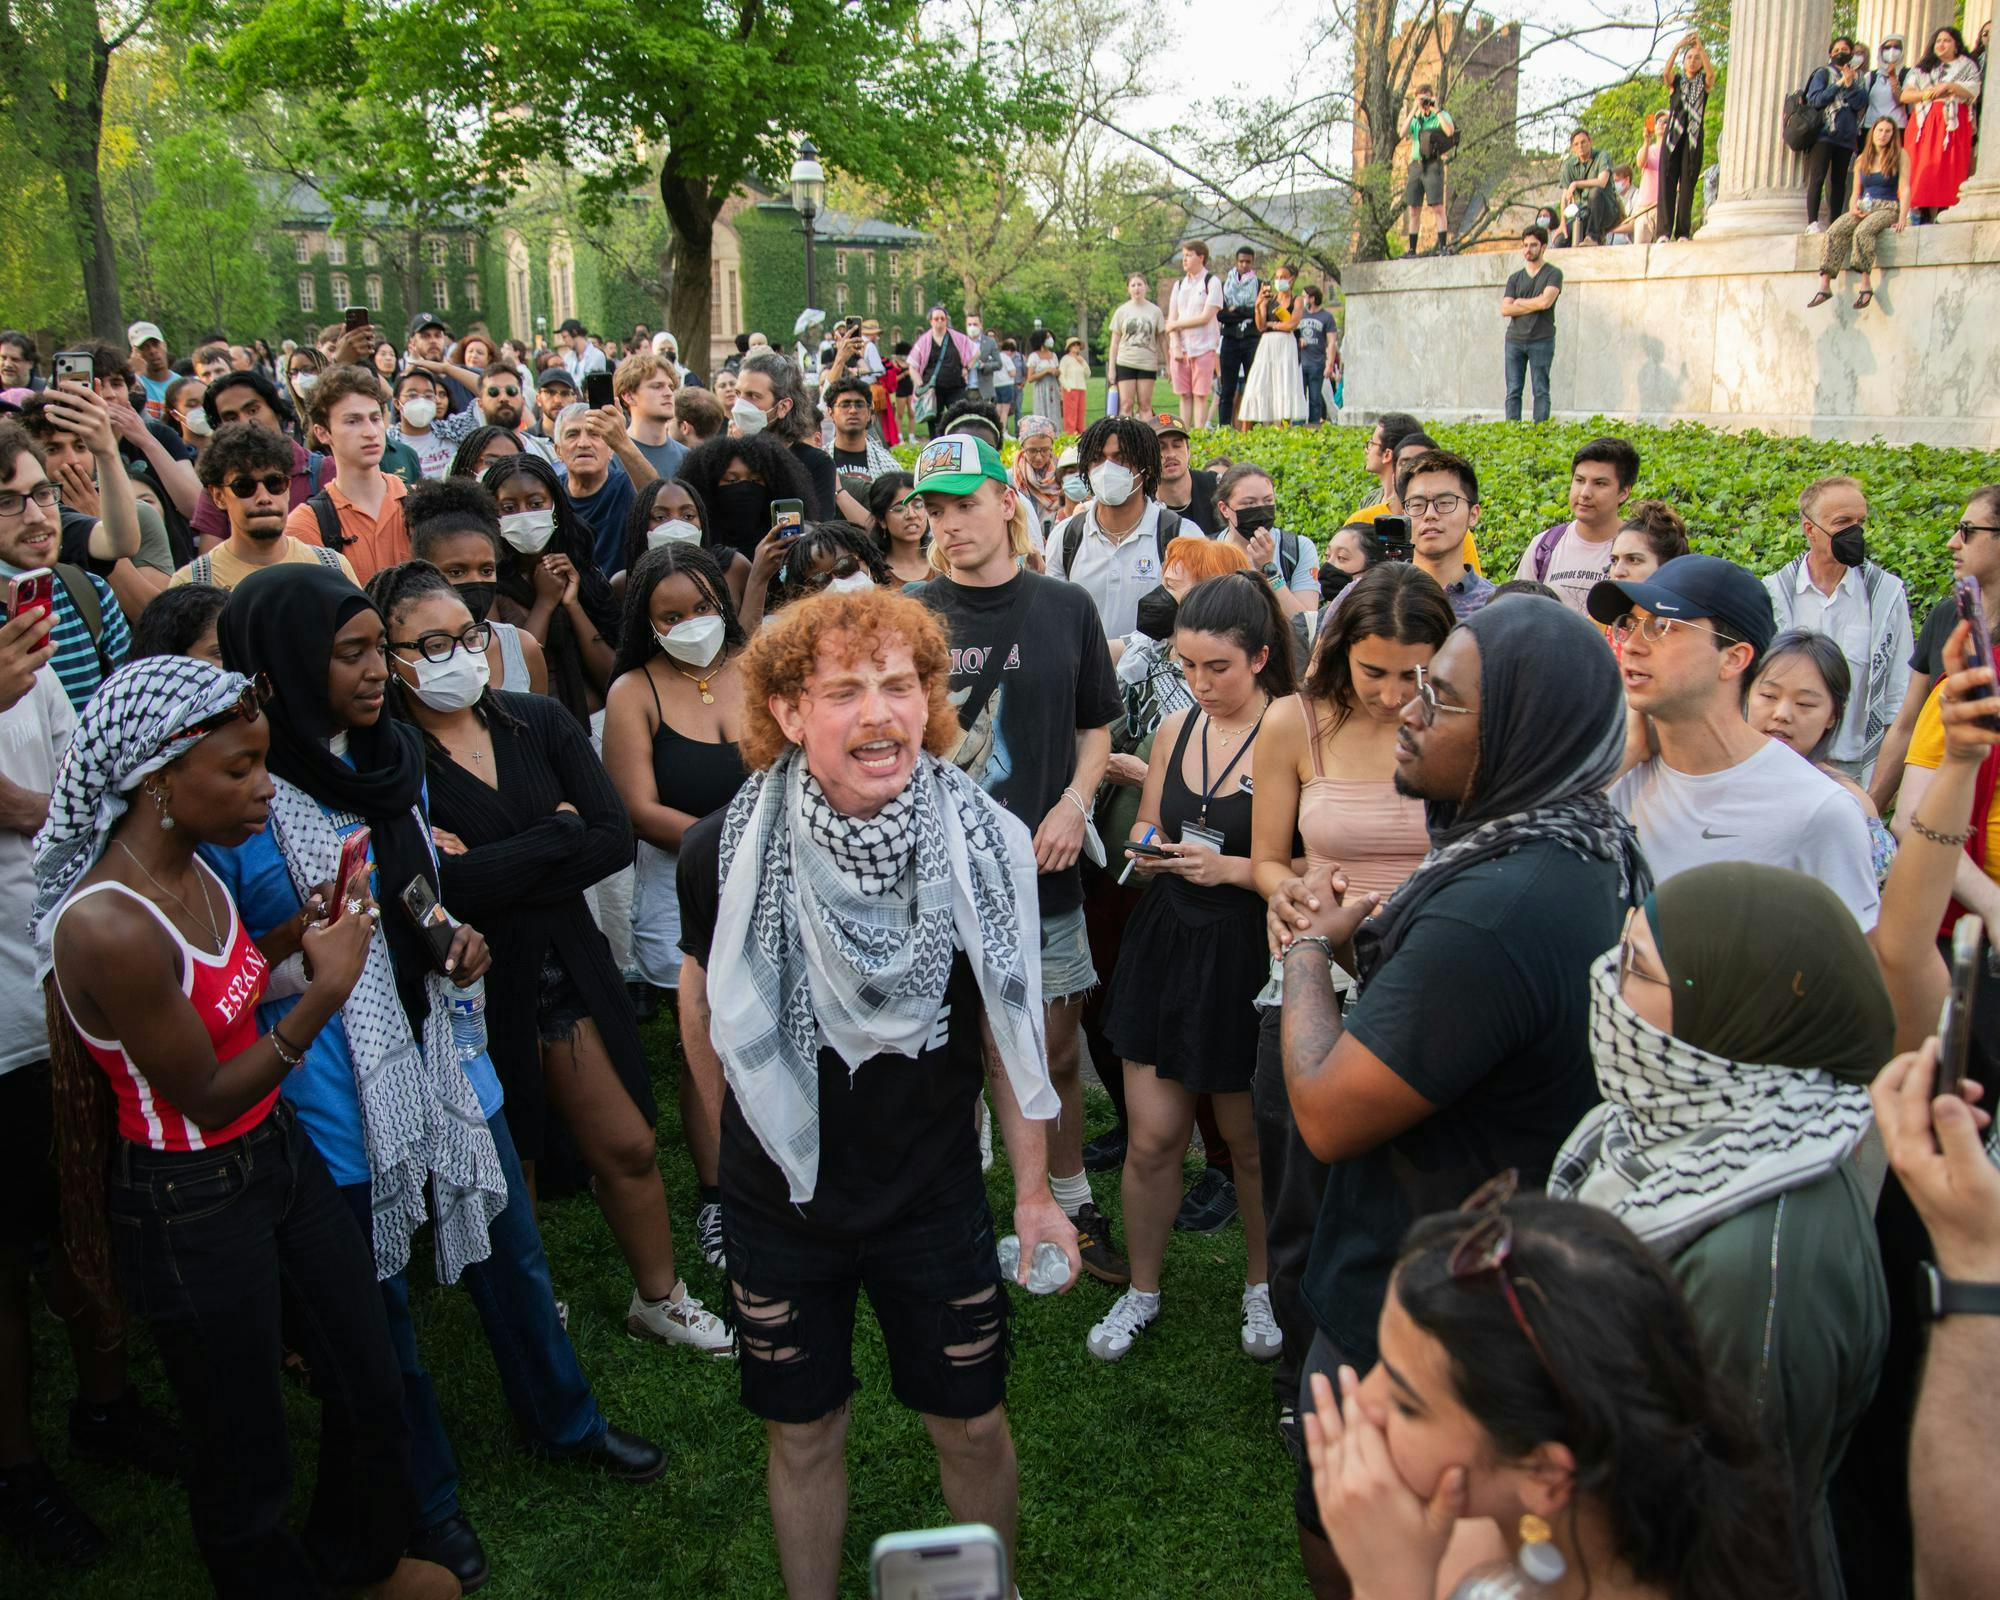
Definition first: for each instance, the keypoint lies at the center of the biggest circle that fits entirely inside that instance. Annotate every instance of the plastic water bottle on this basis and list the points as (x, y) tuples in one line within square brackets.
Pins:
[(468, 1020), (1047, 1273)]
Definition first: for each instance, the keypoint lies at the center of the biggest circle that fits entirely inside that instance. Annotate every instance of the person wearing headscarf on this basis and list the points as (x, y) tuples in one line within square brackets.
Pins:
[(1735, 1029), (228, 1224), (1035, 474), (396, 1106), (1467, 1051)]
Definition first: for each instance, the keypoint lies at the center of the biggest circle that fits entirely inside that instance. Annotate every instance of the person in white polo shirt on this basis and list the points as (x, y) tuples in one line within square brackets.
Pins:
[(1115, 547)]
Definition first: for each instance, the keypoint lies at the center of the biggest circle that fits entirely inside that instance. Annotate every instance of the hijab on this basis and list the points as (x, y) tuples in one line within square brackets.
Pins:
[(1551, 738), (281, 621)]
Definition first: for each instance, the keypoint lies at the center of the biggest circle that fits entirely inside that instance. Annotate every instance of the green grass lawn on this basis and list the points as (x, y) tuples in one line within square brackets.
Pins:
[(1161, 1476)]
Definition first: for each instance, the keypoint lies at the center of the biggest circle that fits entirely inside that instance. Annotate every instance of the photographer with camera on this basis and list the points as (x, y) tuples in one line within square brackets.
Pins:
[(1433, 136)]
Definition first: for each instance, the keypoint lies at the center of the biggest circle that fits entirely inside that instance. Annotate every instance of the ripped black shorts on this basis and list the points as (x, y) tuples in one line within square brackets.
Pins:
[(935, 1288)]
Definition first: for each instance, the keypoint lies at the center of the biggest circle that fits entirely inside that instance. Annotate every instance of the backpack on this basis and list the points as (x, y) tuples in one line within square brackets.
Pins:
[(1802, 123), (1545, 549), (1438, 142), (202, 569), (1170, 526), (328, 518), (84, 599)]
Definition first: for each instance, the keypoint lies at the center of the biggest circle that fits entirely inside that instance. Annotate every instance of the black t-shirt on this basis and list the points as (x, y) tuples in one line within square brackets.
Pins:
[(1057, 679), (819, 468), (1200, 509), (1927, 658), (180, 532), (896, 1135), (1484, 1010), (1525, 285)]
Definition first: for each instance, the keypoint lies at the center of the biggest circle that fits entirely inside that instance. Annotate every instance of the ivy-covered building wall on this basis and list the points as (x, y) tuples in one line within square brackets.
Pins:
[(861, 267)]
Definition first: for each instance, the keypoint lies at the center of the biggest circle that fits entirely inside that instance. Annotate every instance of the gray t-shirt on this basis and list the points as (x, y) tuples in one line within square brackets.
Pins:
[(1525, 285), (665, 458)]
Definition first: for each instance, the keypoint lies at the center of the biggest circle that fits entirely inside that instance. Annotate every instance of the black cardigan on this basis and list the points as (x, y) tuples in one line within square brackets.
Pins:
[(521, 884)]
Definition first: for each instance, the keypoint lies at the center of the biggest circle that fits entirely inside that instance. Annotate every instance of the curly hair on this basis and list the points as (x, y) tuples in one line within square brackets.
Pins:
[(827, 541), (770, 463), (242, 447), (340, 383), (1138, 449), (782, 658)]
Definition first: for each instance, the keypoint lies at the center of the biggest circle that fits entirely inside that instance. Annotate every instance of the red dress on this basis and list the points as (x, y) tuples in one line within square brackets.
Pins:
[(1940, 157)]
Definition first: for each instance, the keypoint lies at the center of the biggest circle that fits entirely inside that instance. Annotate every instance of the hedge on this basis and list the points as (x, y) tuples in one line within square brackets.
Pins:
[(1737, 491)]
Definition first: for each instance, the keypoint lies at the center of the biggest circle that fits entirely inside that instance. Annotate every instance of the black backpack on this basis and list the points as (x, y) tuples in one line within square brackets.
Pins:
[(1438, 142), (1170, 526)]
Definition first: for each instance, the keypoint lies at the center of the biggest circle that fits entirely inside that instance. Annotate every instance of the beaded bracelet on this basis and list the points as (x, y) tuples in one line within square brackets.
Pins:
[(1951, 841)]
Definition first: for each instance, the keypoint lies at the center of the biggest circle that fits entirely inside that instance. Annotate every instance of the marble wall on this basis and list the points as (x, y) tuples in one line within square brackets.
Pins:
[(1710, 331)]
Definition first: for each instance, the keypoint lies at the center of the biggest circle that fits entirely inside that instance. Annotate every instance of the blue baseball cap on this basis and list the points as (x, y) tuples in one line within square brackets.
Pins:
[(1694, 586)]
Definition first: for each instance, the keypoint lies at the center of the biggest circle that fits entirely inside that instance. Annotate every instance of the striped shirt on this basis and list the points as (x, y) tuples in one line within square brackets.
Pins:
[(76, 659)]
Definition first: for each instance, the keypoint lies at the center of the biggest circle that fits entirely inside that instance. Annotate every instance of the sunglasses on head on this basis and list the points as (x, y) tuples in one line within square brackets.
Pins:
[(1488, 1246), (249, 705), (271, 483)]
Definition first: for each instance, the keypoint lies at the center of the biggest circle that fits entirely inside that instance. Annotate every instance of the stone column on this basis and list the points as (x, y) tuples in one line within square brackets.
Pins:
[(1979, 198), (1915, 20), (1773, 47)]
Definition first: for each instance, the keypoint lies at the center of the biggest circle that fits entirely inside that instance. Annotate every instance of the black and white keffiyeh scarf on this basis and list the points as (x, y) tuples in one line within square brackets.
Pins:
[(420, 1118), (1685, 1139), (840, 933), (137, 722)]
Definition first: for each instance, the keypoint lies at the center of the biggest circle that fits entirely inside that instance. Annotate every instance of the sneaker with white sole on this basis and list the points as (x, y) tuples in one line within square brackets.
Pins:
[(679, 1319), (1130, 1315), (1263, 1340), (708, 1229)]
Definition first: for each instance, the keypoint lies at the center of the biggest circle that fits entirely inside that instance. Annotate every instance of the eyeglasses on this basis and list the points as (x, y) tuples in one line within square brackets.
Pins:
[(1427, 697), (1654, 629), (1443, 504), (1965, 530), (14, 502), (437, 647), (249, 706), (1488, 1246), (271, 483), (1628, 966)]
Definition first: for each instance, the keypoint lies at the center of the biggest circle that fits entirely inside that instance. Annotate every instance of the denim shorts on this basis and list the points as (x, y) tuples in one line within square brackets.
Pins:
[(1067, 970), (933, 1281)]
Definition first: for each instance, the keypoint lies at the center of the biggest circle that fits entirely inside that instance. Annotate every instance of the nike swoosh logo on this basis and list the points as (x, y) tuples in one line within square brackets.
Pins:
[(1708, 835)]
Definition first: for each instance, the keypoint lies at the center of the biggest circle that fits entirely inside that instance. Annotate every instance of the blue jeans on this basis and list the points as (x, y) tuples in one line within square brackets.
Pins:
[(545, 1387), (1534, 355), (1314, 375)]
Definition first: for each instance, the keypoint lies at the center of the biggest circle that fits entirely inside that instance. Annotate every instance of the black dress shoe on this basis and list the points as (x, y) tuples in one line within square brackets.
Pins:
[(622, 1455), (452, 1544)]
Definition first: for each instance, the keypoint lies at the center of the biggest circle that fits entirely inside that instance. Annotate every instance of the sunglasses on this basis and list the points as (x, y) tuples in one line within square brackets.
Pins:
[(505, 391), (271, 483), (249, 706), (1488, 1246)]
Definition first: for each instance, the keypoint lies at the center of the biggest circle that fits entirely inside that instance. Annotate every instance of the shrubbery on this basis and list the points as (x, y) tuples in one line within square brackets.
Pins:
[(1737, 491)]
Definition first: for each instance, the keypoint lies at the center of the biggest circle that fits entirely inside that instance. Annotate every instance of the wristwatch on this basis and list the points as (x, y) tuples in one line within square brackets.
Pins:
[(1940, 1297)]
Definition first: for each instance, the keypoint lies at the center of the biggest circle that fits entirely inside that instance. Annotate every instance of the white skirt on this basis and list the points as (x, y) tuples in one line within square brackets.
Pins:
[(1276, 392)]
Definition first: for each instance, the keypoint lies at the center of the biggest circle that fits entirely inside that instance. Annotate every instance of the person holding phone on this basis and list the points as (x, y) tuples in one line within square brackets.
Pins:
[(738, 480), (398, 1113), (1735, 1029), (518, 798), (227, 1223)]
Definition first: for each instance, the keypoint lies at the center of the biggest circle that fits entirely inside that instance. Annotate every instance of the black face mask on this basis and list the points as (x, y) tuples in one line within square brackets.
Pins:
[(742, 514), (1332, 580), (1850, 546), (1252, 520), (478, 598), (1157, 608)]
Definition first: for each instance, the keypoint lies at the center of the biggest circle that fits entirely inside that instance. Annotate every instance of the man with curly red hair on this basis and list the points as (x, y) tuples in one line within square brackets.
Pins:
[(865, 916)]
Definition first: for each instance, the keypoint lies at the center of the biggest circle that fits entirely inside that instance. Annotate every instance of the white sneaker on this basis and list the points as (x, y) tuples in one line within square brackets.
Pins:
[(708, 1229), (680, 1319), (1816, 227), (562, 1314), (985, 1136), (1262, 1338), (1130, 1315)]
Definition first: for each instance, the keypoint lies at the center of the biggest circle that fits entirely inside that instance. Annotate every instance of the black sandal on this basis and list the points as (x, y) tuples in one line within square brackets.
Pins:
[(1819, 299), (1861, 301)]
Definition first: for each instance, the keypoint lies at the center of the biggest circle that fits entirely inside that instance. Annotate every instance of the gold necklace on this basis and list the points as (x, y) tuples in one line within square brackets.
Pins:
[(701, 679), (207, 905), (1227, 735)]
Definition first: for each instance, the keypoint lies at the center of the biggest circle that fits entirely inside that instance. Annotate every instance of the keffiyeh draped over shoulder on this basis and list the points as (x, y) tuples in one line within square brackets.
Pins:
[(135, 724), (810, 948)]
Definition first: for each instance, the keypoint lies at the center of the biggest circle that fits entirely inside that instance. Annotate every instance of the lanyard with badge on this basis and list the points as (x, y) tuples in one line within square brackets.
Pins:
[(1198, 831)]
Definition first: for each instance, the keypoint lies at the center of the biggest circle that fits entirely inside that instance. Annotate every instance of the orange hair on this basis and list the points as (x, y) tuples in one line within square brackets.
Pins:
[(785, 653), (1204, 558)]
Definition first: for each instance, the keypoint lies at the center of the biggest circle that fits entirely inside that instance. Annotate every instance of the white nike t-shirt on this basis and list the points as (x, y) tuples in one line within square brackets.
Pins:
[(1775, 808)]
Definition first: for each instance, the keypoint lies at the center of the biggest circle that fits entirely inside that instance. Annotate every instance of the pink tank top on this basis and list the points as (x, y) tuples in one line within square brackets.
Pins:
[(1376, 835), (223, 991)]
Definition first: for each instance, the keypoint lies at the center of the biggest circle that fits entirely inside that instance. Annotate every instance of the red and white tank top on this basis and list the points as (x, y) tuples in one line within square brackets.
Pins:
[(223, 991)]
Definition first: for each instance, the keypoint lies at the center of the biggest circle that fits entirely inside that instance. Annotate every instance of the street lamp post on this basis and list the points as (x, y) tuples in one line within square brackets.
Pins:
[(808, 195)]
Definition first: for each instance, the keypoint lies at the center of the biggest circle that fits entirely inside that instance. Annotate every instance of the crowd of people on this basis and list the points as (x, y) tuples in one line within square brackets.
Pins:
[(1530, 962)]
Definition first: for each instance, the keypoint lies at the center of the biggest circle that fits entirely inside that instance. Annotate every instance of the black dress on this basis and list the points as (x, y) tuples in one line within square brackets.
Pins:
[(521, 884), (1193, 957)]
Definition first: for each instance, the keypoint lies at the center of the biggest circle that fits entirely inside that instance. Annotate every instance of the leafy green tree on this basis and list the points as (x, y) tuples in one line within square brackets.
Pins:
[(483, 88), (206, 235)]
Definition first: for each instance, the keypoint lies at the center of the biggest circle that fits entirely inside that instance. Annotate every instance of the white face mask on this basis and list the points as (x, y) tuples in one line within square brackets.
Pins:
[(1112, 482), (674, 532), (419, 414), (453, 683), (196, 423), (1891, 54), (302, 383), (749, 420), (528, 531), (851, 583), (695, 641), (1283, 285)]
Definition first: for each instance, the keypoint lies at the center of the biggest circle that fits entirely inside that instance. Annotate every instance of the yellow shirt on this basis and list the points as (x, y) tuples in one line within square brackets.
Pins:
[(1927, 750), (227, 569), (1370, 513)]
